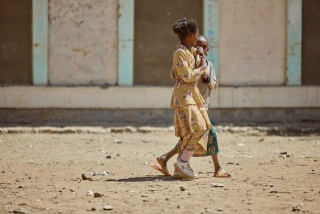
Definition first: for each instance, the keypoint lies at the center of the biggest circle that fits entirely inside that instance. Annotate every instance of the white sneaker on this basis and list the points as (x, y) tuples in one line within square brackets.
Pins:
[(196, 176), (185, 170), (178, 175)]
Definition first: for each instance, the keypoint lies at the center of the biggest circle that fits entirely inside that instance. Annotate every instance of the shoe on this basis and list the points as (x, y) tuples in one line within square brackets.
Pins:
[(178, 175), (185, 170), (195, 175)]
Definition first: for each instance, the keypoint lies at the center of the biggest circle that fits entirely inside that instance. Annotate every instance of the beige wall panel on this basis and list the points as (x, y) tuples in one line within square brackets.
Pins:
[(252, 42), (312, 96), (19, 97), (83, 42)]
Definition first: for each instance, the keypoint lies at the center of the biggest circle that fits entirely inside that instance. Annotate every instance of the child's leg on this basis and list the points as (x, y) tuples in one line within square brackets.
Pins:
[(186, 156), (163, 159), (218, 171), (216, 163)]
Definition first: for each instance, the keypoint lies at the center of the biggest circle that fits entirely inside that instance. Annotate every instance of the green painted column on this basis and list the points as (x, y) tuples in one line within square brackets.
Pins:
[(211, 9), (125, 42), (40, 42), (294, 39)]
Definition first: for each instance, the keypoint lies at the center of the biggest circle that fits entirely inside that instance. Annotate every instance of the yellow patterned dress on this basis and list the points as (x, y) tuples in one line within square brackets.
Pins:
[(191, 120)]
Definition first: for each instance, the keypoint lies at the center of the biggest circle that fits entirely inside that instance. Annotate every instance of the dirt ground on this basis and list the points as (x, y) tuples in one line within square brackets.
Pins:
[(41, 172)]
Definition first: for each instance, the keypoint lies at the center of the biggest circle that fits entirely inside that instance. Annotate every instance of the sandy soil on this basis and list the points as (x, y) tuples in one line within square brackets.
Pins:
[(42, 173)]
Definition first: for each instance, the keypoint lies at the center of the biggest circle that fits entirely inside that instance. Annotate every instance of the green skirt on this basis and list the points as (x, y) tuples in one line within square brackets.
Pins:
[(212, 146)]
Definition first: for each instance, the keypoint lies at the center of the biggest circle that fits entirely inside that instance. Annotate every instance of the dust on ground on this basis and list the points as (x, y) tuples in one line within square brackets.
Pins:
[(41, 172)]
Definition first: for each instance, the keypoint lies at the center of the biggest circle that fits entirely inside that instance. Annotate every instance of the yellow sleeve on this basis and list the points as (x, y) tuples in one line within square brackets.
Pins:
[(182, 69)]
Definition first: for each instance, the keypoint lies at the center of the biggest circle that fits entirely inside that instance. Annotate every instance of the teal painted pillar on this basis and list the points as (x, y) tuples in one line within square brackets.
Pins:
[(40, 42), (211, 9), (294, 39), (125, 42)]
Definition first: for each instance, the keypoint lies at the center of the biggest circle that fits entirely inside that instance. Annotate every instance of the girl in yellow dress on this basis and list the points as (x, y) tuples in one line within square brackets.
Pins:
[(191, 120), (207, 83)]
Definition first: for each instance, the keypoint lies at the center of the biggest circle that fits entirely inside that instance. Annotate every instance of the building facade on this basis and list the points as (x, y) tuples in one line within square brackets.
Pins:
[(111, 56)]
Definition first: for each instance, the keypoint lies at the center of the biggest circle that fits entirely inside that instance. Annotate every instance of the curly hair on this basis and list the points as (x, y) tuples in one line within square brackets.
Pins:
[(184, 28)]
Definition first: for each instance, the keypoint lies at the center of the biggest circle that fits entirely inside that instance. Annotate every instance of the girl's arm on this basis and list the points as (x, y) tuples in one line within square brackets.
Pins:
[(213, 83), (183, 70)]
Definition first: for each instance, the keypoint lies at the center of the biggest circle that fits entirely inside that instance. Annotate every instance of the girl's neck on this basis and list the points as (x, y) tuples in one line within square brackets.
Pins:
[(188, 46)]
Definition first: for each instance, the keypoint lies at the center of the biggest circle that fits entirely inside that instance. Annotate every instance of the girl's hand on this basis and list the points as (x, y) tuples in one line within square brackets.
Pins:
[(203, 66), (200, 51), (203, 62), (205, 76)]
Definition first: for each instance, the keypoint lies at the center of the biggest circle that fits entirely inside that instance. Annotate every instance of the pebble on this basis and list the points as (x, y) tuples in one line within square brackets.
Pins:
[(148, 129), (127, 129), (117, 141), (233, 163), (90, 193), (21, 210), (182, 188), (237, 129), (107, 207), (97, 194), (87, 176), (101, 173), (217, 185), (297, 208), (108, 156)]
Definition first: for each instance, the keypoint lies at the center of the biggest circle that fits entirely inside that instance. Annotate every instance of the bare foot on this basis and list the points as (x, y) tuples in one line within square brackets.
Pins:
[(221, 173), (163, 166), (162, 161)]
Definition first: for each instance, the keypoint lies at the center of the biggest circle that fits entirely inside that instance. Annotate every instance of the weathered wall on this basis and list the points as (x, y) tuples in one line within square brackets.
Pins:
[(154, 117), (310, 42), (154, 41), (83, 42), (252, 42), (15, 42)]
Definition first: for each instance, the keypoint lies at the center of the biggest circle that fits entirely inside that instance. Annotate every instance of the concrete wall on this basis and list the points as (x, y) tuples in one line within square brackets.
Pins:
[(83, 42), (154, 40), (252, 42), (150, 105), (155, 97), (15, 42), (311, 42), (83, 50)]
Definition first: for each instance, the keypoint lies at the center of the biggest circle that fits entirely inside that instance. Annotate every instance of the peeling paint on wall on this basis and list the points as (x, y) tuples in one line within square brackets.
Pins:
[(252, 42), (83, 42)]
